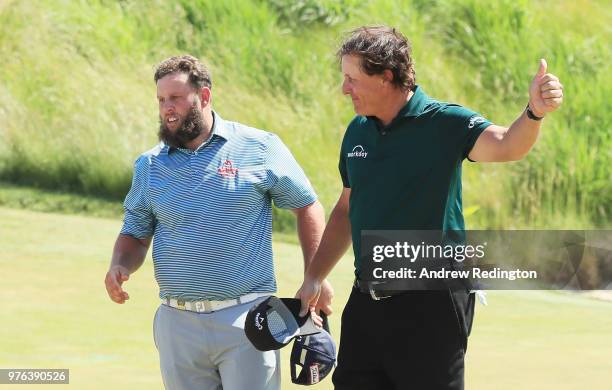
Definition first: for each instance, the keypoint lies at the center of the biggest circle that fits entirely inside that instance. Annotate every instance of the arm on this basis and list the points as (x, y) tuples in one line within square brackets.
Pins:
[(499, 144), (336, 240), (310, 225), (128, 255), (290, 188)]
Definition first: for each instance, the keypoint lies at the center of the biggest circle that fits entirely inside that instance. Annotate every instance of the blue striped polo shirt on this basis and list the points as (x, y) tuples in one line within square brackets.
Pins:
[(210, 211)]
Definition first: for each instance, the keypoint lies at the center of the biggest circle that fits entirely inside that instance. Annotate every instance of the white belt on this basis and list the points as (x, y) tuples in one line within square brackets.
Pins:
[(210, 306)]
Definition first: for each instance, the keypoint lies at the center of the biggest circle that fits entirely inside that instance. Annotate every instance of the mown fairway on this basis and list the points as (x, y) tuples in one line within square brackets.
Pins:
[(55, 313)]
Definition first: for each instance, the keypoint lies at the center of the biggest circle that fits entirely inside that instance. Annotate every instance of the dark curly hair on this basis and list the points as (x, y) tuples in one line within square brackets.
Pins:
[(381, 48), (199, 75)]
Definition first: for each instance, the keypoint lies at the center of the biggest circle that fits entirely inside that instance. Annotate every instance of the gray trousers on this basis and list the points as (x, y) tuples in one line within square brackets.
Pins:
[(209, 351)]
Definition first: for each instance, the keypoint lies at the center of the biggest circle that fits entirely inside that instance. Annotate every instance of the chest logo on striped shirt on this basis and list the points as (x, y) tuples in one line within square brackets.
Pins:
[(227, 169), (358, 151)]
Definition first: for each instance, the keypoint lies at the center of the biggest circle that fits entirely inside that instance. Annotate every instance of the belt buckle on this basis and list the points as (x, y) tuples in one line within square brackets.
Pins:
[(204, 306), (373, 292)]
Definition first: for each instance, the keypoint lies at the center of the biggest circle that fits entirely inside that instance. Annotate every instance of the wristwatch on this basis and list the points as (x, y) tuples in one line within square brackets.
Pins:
[(531, 115)]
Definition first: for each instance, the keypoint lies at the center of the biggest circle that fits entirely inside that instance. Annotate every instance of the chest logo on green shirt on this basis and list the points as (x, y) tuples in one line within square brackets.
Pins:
[(358, 151)]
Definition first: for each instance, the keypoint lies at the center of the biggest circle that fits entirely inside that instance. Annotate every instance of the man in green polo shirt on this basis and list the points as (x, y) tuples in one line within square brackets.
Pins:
[(400, 165)]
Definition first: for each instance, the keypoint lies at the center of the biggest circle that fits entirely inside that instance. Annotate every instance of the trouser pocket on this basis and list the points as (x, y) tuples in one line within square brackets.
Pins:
[(463, 304), (155, 327)]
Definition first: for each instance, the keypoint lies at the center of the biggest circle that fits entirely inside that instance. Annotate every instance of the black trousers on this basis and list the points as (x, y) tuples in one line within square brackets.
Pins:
[(415, 340)]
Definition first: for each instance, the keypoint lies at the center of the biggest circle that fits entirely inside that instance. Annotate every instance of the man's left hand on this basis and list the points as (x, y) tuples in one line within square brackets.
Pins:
[(545, 92)]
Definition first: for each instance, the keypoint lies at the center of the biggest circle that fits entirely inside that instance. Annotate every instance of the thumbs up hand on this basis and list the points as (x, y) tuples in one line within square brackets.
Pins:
[(545, 92)]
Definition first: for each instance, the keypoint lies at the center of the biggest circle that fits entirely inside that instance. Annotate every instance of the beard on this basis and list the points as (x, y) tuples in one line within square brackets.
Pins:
[(190, 129)]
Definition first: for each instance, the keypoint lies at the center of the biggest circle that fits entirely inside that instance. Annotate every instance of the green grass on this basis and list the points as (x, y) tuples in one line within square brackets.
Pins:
[(77, 99), (61, 201), (56, 314), (23, 197)]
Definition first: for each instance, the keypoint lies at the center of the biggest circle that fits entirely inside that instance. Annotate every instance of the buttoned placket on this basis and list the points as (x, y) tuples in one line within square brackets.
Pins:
[(195, 157)]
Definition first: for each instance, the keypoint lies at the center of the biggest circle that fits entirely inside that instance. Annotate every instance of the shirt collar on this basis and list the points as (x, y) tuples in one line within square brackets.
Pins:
[(219, 129), (415, 106)]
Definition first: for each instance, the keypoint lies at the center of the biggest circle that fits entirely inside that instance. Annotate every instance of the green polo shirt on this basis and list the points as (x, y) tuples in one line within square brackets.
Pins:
[(407, 175)]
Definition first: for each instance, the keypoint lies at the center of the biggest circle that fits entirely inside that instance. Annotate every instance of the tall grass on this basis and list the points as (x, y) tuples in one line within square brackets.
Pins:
[(567, 178), (77, 98)]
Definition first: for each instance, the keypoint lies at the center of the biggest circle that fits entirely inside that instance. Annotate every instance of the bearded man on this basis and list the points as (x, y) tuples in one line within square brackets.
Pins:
[(204, 195)]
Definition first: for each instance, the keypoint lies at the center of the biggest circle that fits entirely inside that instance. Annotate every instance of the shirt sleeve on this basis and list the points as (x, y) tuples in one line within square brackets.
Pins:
[(289, 187), (467, 126), (138, 221), (342, 161), (343, 171)]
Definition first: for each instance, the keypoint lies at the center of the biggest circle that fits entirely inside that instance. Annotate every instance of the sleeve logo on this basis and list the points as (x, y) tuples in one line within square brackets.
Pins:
[(475, 120)]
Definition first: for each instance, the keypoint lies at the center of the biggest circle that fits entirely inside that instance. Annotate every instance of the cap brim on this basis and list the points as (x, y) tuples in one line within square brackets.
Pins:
[(274, 322), (306, 324)]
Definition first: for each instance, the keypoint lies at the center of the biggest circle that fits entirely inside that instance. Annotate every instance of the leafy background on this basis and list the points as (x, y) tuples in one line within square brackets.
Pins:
[(77, 100)]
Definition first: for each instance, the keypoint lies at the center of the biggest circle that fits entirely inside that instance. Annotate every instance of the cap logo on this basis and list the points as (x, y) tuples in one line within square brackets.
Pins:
[(258, 321), (314, 373)]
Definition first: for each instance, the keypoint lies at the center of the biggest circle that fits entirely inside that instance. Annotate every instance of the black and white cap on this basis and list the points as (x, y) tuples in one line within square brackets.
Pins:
[(274, 322)]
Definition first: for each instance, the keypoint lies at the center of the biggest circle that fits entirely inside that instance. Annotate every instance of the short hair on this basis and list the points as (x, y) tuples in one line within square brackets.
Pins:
[(199, 75), (381, 48)]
